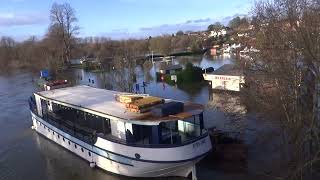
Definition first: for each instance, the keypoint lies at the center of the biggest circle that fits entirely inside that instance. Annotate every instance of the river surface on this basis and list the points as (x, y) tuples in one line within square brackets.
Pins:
[(24, 154)]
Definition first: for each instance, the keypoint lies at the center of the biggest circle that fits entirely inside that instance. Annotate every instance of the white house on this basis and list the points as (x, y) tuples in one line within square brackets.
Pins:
[(235, 46), (243, 34), (227, 77), (218, 33)]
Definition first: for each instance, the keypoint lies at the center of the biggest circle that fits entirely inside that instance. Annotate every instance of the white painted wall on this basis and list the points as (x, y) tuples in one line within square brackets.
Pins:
[(223, 82)]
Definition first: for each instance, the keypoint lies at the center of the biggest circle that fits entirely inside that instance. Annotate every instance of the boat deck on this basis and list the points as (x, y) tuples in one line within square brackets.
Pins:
[(103, 101)]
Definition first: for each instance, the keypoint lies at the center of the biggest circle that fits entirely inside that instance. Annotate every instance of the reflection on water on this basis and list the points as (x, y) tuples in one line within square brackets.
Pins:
[(206, 61), (147, 73)]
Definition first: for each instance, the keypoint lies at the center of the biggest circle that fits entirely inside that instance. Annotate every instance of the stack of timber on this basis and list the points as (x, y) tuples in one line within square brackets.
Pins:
[(127, 98), (144, 104), (138, 103)]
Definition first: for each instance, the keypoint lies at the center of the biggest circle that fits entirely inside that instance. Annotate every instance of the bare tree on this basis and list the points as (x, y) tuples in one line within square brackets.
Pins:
[(7, 51), (161, 44), (285, 77), (124, 67), (63, 24)]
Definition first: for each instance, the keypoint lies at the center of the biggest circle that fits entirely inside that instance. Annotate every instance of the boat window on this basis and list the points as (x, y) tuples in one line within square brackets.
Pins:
[(181, 131), (140, 134), (169, 133), (82, 125)]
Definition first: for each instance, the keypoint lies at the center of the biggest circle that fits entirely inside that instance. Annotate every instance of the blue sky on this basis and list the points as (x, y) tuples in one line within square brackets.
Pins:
[(119, 18)]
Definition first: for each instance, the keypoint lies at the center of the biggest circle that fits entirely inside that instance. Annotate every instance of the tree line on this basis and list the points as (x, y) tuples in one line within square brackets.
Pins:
[(61, 43)]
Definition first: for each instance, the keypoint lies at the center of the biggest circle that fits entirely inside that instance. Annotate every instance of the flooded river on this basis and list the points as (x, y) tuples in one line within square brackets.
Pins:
[(24, 154)]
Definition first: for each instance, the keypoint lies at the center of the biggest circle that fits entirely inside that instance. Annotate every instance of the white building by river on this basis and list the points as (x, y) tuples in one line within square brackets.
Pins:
[(227, 77)]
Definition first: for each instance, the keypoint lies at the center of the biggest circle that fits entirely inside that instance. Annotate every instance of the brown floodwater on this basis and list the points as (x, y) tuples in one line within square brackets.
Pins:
[(24, 154)]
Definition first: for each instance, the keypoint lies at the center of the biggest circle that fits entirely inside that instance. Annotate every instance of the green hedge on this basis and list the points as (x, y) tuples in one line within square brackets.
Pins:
[(189, 75)]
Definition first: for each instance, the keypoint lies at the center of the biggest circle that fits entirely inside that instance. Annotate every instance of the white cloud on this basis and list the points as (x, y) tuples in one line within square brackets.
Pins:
[(13, 19), (189, 25)]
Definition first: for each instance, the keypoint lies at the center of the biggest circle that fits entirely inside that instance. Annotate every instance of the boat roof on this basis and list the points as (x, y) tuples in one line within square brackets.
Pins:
[(228, 70), (103, 102)]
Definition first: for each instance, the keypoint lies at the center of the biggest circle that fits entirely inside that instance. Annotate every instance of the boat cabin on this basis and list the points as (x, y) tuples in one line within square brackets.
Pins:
[(87, 113)]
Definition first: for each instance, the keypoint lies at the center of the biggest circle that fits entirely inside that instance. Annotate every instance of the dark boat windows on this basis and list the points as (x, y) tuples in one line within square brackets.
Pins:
[(82, 125), (179, 132), (140, 135), (171, 132)]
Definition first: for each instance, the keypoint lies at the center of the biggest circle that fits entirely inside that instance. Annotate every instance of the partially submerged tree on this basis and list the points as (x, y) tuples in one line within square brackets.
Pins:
[(124, 67)]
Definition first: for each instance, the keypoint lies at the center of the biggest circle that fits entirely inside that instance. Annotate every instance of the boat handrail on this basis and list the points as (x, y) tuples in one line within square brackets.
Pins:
[(157, 145)]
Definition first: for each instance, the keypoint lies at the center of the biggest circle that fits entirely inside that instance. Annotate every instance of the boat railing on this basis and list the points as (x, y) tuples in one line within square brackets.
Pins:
[(70, 128), (118, 141)]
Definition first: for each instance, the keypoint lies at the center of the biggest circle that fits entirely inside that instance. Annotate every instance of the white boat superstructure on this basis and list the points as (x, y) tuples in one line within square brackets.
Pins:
[(92, 124)]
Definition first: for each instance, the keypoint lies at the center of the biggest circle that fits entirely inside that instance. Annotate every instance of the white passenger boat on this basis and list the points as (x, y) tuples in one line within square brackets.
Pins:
[(91, 123)]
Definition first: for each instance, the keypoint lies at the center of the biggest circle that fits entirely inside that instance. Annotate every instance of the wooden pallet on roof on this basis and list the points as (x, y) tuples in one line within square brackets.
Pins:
[(127, 98), (143, 110), (144, 103)]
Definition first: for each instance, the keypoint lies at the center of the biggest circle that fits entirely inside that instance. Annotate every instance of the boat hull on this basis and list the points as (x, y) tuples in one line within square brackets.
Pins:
[(113, 162)]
